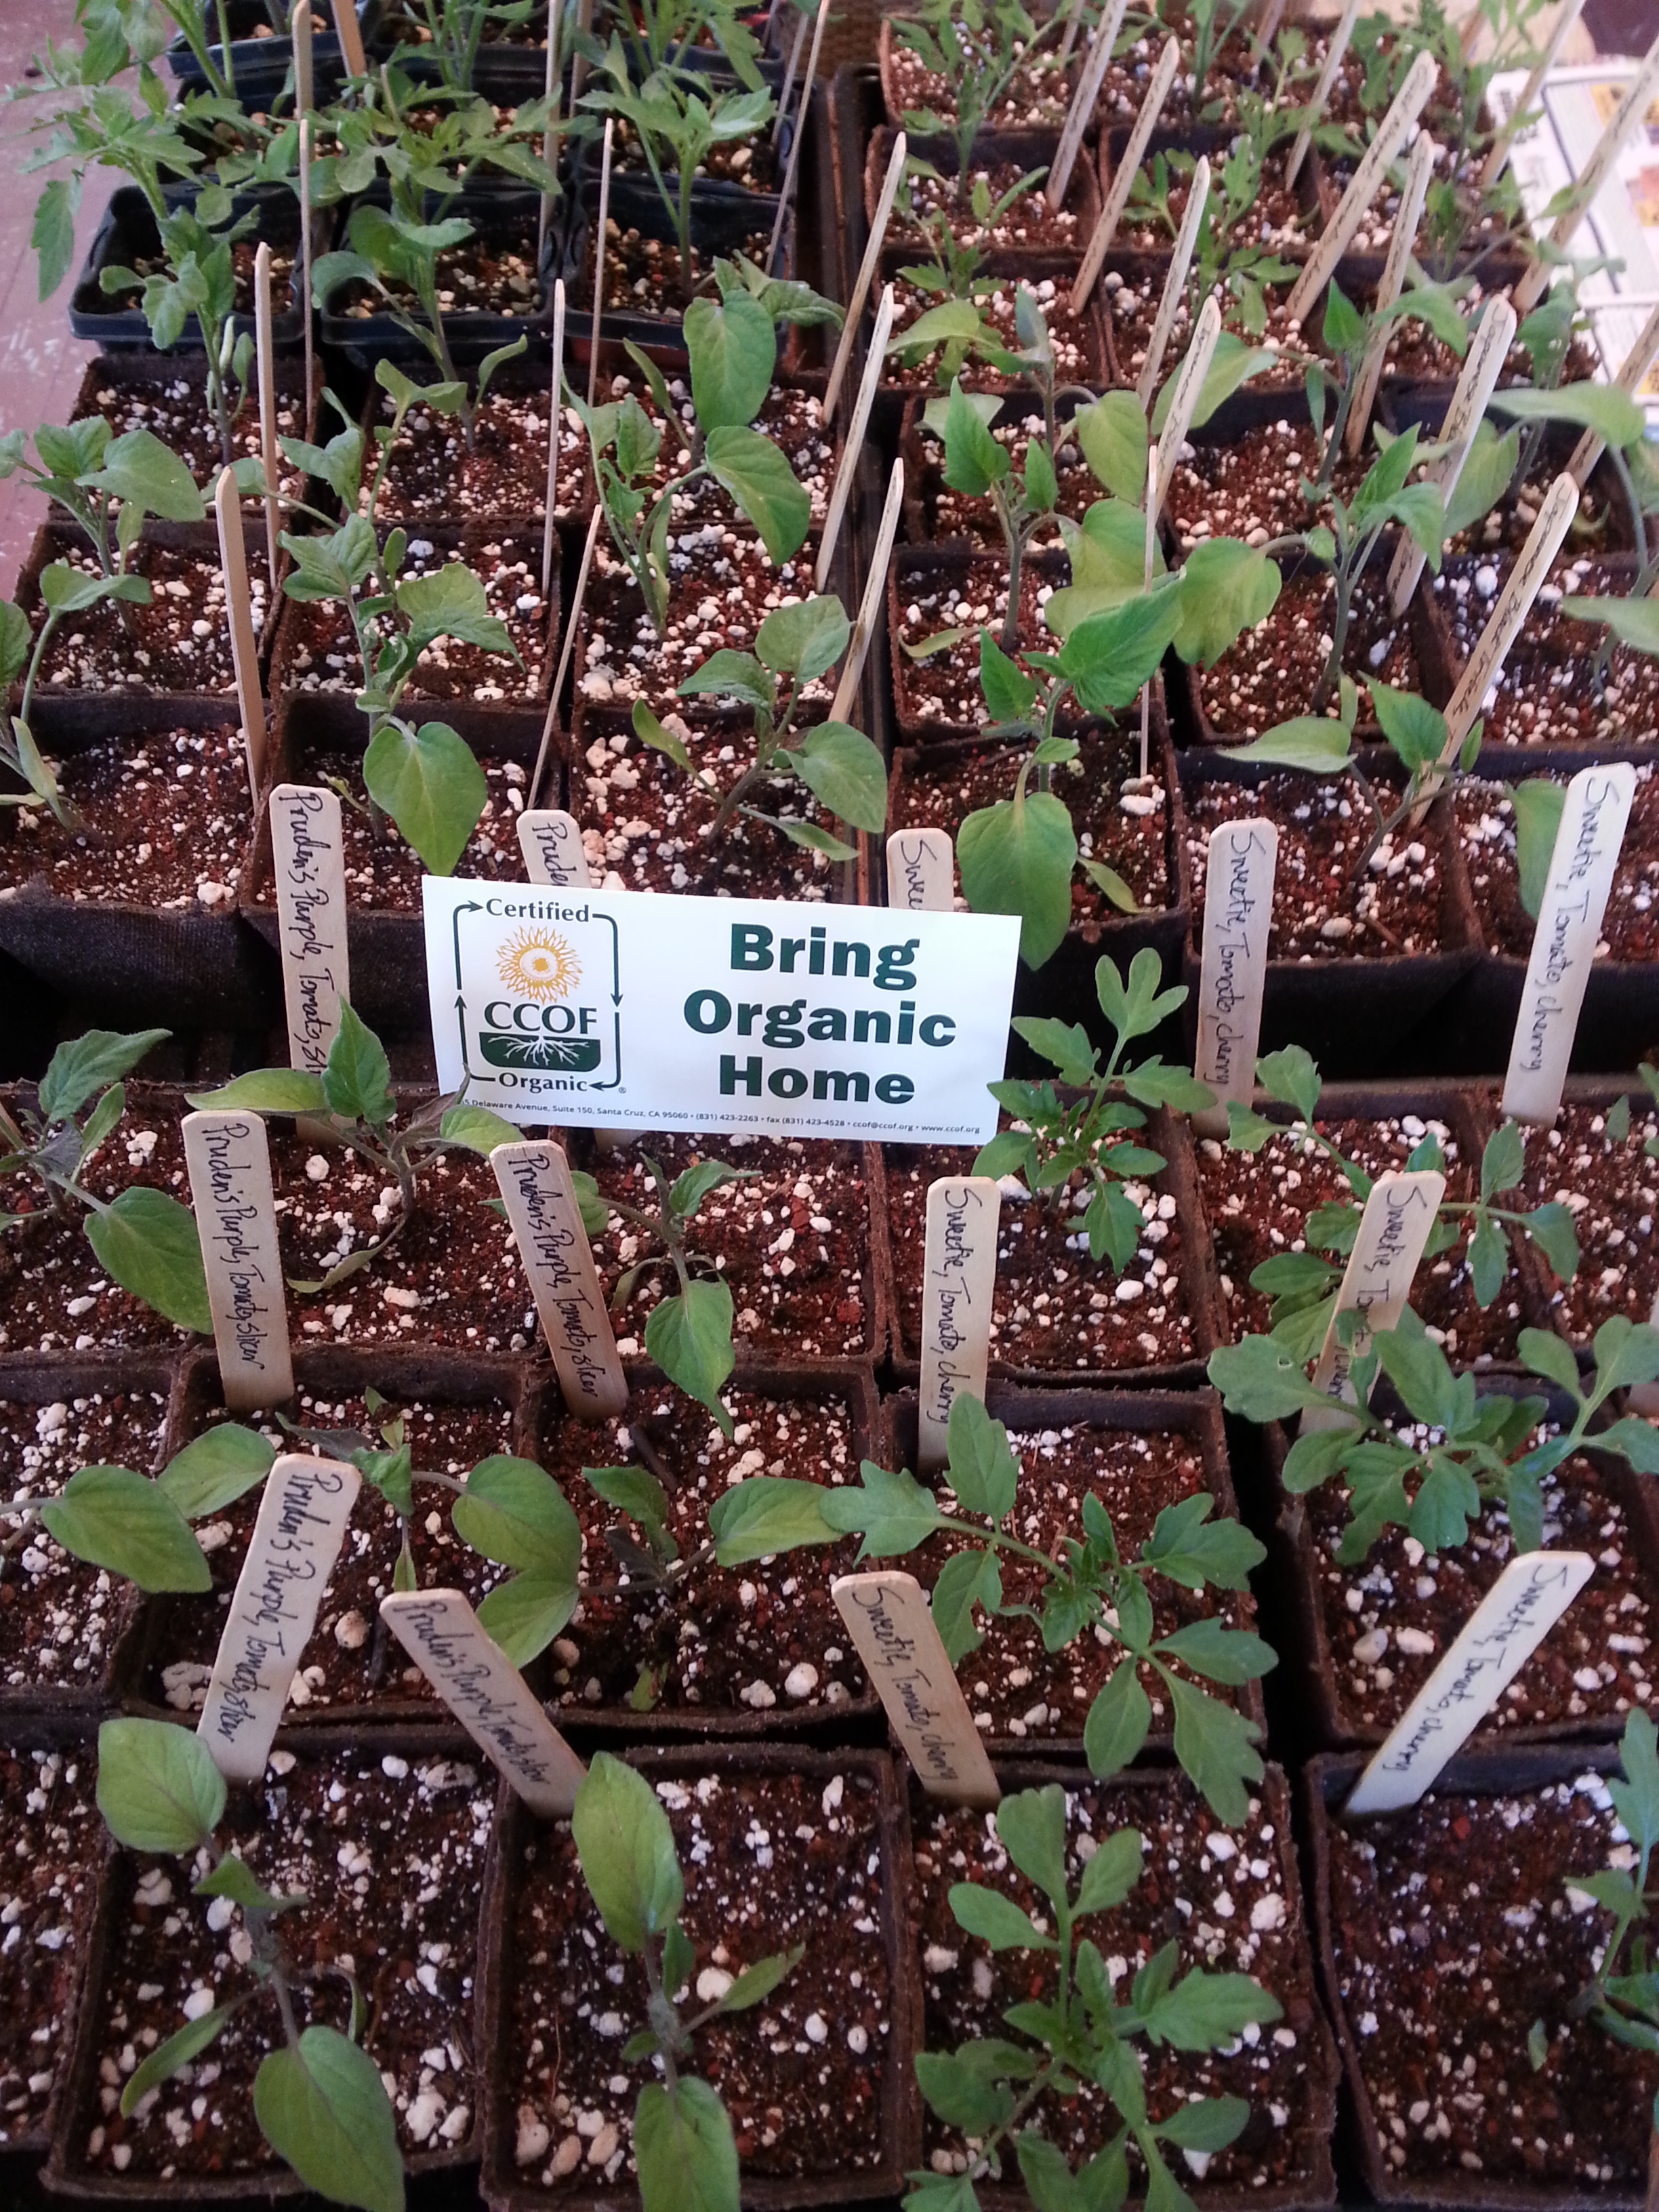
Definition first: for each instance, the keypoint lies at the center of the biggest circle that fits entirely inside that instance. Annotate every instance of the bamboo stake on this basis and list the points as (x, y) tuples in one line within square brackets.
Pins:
[(875, 593), (788, 84), (244, 651), (1370, 373), (299, 31), (866, 272), (1183, 401), (1321, 91), (305, 257), (598, 260), (1154, 500), (1083, 103), (796, 143), (556, 405), (351, 37), (572, 623), (1363, 188), (847, 472), (1494, 335), (549, 137)]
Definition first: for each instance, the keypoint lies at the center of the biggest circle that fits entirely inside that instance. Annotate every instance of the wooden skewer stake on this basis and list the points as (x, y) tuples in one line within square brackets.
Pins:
[(570, 629), (1154, 500), (1612, 143), (555, 390), (1272, 16), (1073, 25), (799, 140), (846, 471), (1369, 375), (1321, 91), (1118, 199), (867, 273), (1504, 145), (1175, 284), (875, 593), (789, 68), (549, 137), (265, 356), (351, 37), (1183, 402), (1083, 103), (299, 25), (244, 652), (1635, 364), (1493, 336), (305, 262), (1363, 186), (599, 259)]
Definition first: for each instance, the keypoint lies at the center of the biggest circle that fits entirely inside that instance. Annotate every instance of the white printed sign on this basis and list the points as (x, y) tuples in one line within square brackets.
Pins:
[(1510, 1622), (1238, 905), (637, 1010), (307, 855), (890, 1621), (290, 1556), (1377, 1282), (228, 1156), (488, 1696)]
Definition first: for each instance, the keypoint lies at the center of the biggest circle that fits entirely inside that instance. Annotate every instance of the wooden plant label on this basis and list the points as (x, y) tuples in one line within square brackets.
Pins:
[(1377, 1281), (1238, 904), (959, 1281), (1365, 186), (536, 1189), (1570, 913), (244, 651), (889, 1618), (1510, 1623), (307, 315), (1183, 402), (1485, 662), (921, 871), (1083, 103), (1321, 91), (1118, 199), (308, 861), (847, 467), (1591, 178), (300, 32), (351, 37), (552, 843), (488, 1696), (1565, 17), (1635, 364), (1494, 335), (604, 218), (228, 1156), (303, 1514), (867, 273), (1175, 284), (875, 595), (265, 354), (1401, 241)]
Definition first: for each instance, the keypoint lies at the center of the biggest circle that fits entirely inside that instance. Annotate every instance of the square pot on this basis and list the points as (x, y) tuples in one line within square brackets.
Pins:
[(166, 393), (505, 217), (128, 236), (1061, 236), (262, 66)]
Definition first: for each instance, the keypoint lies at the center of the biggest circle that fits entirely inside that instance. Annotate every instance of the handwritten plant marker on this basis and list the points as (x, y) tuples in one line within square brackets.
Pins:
[(890, 1621), (1631, 370), (847, 468), (921, 871), (308, 863), (1401, 241), (555, 417), (793, 166), (572, 630), (541, 1204), (599, 259), (1485, 662), (351, 37), (488, 1696), (264, 354), (875, 597), (1363, 186), (1238, 905), (1504, 145), (1508, 1626), (1083, 103), (1587, 843), (1175, 284), (867, 275), (1494, 335), (1183, 402), (229, 1157), (244, 652), (1118, 199), (296, 1540), (1376, 1283), (1321, 94), (958, 1283), (552, 843), (1591, 178)]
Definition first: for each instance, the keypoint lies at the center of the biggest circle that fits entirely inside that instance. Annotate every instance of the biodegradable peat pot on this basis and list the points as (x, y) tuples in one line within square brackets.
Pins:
[(422, 1801), (460, 1409), (745, 1672), (166, 393), (842, 1894), (260, 60), (1489, 1844), (506, 227), (67, 1631), (1283, 2163), (1283, 220), (128, 238), (129, 908), (432, 479), (1350, 1009), (1066, 1439), (1057, 237), (1164, 1337), (726, 219)]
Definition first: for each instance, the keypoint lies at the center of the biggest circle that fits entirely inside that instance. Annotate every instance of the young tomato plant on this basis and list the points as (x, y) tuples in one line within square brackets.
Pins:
[(197, 279), (684, 2149), (1623, 1997), (144, 1239), (1076, 2031), (979, 47), (318, 2096)]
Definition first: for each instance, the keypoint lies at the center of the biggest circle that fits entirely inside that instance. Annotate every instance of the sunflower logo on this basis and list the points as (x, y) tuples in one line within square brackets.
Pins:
[(538, 965)]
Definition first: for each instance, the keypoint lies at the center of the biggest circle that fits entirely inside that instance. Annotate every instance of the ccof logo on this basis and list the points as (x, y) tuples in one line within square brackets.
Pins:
[(539, 964)]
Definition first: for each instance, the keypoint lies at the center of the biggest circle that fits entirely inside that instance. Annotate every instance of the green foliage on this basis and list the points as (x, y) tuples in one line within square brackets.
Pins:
[(322, 2107), (512, 1511), (158, 1788), (114, 1518)]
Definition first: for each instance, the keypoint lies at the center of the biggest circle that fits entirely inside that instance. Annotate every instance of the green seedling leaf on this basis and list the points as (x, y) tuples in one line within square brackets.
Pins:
[(100, 1057), (626, 1850), (114, 1518), (322, 2107), (769, 1513), (147, 1243), (689, 1337), (684, 2149), (220, 1465), (164, 2062), (158, 1788), (429, 781)]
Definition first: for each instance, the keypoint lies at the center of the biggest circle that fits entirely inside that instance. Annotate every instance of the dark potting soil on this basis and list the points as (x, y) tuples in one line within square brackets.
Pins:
[(352, 1659), (1391, 1621), (643, 273), (1013, 1686), (383, 871), (1275, 219), (180, 643), (1629, 928), (1037, 99), (770, 1862), (792, 1246), (243, 254), (434, 474), (958, 514), (1552, 691), (1454, 1931), (1120, 822), (1220, 1894), (1056, 1309), (54, 1296), (1272, 672), (944, 686), (1612, 1190), (1252, 490), (1320, 912), (178, 415), (751, 163), (1030, 225), (389, 1854), (1069, 334), (54, 1846), (1129, 74), (494, 274), (1131, 306), (60, 1618), (163, 821), (752, 1639), (319, 651), (793, 419), (1259, 1203)]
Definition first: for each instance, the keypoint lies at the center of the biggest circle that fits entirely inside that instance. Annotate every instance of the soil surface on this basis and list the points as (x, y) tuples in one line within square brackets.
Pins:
[(435, 476), (1553, 690), (1222, 1896), (942, 687), (642, 275), (1056, 1310), (1272, 673), (180, 643), (243, 254), (1276, 219), (1253, 488), (953, 514), (1130, 304), (178, 415), (1612, 1190), (1030, 225), (1073, 337), (1486, 826), (495, 273), (1453, 1931), (770, 1862), (1037, 98), (765, 1637), (54, 1847), (390, 1853)]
